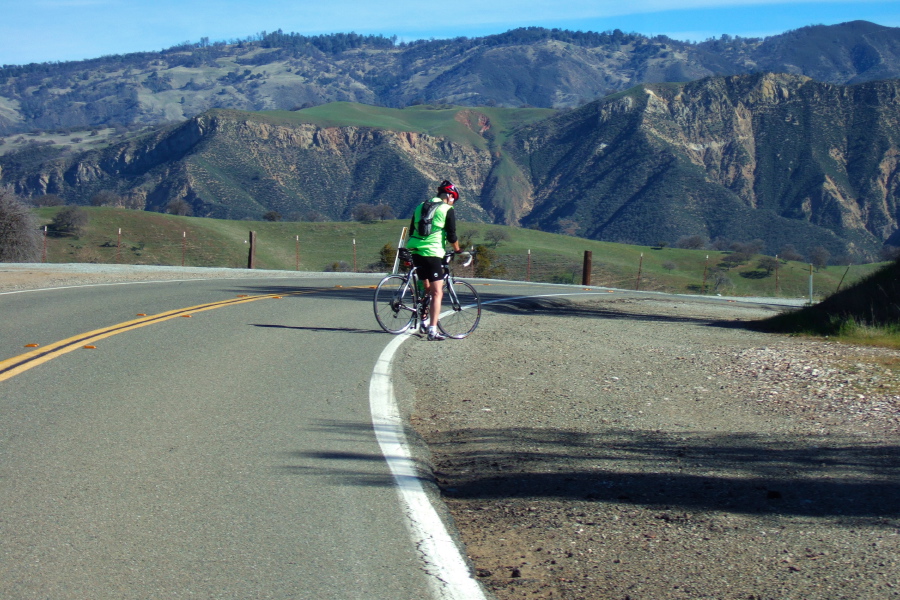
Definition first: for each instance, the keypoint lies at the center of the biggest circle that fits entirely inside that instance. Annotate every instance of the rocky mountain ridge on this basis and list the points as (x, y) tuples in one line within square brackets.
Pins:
[(523, 67), (775, 157)]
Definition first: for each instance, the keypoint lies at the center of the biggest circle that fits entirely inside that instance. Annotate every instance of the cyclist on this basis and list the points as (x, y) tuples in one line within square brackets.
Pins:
[(428, 250)]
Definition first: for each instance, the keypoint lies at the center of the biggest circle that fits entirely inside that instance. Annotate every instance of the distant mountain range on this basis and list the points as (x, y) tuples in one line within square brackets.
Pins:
[(807, 156), (524, 67)]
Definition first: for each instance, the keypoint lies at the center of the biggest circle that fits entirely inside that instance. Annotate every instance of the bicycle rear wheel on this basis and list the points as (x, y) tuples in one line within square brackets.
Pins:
[(463, 310), (393, 303)]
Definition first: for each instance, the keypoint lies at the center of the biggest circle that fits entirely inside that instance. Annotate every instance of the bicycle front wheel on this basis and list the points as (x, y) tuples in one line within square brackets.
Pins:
[(463, 310), (393, 304)]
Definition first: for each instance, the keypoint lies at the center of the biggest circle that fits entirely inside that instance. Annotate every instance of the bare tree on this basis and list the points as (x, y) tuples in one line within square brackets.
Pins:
[(768, 264), (179, 207), (568, 226), (384, 212), (70, 220), (691, 242), (106, 198), (789, 252), (20, 240), (721, 281), (819, 256), (366, 213), (495, 236)]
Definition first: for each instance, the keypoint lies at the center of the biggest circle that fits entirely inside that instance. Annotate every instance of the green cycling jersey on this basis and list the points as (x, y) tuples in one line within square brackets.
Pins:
[(443, 230)]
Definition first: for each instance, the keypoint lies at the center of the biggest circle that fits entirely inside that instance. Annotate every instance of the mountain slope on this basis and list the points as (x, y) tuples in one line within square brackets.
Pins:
[(780, 158), (776, 157), (322, 161)]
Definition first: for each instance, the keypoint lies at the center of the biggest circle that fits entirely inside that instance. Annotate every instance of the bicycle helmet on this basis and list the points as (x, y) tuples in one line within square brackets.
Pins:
[(448, 188)]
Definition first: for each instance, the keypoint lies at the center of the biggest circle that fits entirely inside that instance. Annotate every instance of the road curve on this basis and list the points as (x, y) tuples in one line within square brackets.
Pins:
[(226, 452)]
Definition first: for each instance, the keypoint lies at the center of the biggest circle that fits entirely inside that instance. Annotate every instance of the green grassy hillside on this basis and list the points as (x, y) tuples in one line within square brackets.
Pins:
[(866, 312), (456, 123), (158, 239)]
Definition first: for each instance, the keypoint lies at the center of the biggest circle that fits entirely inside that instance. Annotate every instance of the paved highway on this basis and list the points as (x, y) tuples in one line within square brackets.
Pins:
[(225, 451), (215, 440)]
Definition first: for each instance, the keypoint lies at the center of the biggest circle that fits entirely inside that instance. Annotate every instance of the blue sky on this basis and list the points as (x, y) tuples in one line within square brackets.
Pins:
[(60, 30)]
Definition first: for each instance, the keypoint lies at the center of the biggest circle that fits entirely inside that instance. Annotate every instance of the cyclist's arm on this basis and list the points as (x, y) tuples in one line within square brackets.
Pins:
[(450, 229)]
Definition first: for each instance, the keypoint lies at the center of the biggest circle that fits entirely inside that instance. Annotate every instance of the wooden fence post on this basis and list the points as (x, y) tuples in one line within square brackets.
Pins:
[(640, 269), (251, 258), (586, 269)]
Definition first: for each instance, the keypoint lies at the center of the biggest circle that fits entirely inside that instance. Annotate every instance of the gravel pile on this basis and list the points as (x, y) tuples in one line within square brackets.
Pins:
[(644, 448)]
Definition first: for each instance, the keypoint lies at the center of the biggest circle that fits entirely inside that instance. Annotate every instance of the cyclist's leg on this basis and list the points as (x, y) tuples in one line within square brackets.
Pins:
[(437, 296)]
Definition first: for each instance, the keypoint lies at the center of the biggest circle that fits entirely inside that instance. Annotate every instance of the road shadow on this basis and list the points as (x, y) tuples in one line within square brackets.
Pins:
[(566, 308), (814, 476), (811, 476), (322, 329), (496, 303), (349, 467)]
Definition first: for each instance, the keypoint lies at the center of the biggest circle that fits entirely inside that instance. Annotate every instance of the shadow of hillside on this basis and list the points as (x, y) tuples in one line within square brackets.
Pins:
[(747, 473), (497, 303), (814, 476)]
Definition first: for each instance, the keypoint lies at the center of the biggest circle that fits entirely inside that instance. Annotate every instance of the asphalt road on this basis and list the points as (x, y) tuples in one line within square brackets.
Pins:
[(228, 454), (221, 446)]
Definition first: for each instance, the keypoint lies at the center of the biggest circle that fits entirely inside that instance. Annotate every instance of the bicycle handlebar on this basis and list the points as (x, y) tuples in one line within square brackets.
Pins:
[(449, 256)]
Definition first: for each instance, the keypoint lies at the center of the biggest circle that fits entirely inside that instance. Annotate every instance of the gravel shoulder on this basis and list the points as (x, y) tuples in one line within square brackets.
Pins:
[(645, 448)]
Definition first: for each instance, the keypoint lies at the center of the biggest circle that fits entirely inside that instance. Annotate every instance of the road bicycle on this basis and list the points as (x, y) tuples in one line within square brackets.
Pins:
[(400, 303)]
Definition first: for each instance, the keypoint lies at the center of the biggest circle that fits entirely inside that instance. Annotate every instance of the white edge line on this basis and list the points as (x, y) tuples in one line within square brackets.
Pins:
[(448, 573)]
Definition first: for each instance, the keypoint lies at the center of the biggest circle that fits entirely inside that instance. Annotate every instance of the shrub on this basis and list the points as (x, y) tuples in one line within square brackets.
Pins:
[(338, 267), (691, 242), (485, 263), (386, 256), (20, 240), (69, 221)]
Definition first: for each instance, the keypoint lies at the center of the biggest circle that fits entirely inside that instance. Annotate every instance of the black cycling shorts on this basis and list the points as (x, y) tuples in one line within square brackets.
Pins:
[(428, 268)]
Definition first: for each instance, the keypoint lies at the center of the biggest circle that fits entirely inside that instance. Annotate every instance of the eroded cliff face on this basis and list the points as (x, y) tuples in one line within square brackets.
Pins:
[(751, 134), (783, 147), (227, 165), (775, 157)]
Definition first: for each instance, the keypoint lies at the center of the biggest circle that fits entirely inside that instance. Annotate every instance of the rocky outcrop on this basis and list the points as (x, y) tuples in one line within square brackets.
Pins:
[(765, 153)]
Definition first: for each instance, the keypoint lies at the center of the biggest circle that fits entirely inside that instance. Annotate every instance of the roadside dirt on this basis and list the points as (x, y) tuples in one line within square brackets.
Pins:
[(646, 449)]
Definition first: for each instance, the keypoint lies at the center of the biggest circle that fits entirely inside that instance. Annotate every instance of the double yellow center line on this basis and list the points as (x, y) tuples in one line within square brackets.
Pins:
[(18, 364)]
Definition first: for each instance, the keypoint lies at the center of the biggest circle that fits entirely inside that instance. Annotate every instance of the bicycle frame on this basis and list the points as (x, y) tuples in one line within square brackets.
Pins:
[(415, 303)]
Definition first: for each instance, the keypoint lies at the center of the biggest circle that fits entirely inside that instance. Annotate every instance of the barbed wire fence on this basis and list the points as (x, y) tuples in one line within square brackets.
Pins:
[(189, 248)]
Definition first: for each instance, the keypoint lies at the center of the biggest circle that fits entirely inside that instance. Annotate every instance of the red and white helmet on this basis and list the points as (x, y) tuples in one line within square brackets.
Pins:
[(448, 188)]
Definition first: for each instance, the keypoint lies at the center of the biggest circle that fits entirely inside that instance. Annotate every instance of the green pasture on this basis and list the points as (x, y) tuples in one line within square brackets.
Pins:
[(159, 239)]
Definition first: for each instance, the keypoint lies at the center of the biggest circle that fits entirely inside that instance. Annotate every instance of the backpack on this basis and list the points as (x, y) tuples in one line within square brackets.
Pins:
[(423, 227)]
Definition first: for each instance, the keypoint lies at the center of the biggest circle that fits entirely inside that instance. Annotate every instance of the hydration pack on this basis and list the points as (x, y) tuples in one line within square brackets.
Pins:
[(423, 227)]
